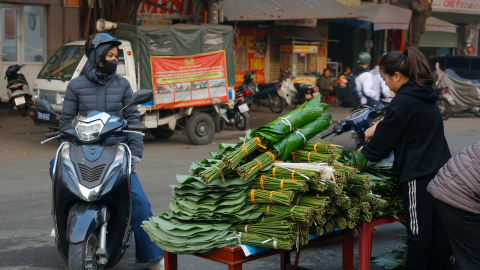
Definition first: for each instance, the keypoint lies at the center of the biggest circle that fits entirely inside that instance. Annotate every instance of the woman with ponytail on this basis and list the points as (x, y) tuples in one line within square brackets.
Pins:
[(413, 129)]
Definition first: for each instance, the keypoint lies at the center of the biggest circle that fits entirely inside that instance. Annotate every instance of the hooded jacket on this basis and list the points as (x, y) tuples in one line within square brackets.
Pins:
[(363, 83), (458, 182), (413, 129), (105, 93)]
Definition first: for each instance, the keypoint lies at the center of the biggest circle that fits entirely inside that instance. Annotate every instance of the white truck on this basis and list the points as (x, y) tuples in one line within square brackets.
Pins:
[(198, 123)]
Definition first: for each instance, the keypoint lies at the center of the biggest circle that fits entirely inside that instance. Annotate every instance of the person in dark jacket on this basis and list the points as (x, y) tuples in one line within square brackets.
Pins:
[(101, 89), (413, 129), (456, 189)]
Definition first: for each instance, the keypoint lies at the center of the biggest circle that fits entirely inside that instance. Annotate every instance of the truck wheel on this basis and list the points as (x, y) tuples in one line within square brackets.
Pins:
[(82, 255), (242, 123), (161, 133), (200, 129), (445, 108)]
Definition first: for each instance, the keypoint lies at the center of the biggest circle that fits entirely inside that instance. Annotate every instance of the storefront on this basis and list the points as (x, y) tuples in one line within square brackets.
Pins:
[(31, 32)]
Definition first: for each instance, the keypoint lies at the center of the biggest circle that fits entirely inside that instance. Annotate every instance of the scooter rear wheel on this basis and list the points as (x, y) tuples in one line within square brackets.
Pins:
[(82, 255), (278, 104)]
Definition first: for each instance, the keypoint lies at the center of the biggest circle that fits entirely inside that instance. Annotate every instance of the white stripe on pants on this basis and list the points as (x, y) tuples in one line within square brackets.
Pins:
[(412, 195)]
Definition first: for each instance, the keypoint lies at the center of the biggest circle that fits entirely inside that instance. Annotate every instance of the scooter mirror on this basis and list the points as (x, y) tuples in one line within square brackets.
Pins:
[(43, 106), (142, 96)]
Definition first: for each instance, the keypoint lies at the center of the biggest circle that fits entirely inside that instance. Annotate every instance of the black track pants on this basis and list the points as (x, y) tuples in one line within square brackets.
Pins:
[(427, 239), (463, 230)]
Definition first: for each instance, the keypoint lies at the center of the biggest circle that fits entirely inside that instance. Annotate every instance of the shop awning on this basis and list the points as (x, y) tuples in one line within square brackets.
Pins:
[(300, 34), (267, 10), (385, 16)]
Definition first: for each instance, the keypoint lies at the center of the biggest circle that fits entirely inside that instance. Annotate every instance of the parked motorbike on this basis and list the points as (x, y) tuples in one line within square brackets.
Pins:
[(91, 187), (238, 116), (445, 102), (18, 90), (358, 122), (269, 94), (297, 93)]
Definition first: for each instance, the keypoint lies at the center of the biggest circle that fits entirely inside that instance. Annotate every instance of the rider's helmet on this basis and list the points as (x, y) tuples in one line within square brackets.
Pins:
[(364, 58), (97, 39)]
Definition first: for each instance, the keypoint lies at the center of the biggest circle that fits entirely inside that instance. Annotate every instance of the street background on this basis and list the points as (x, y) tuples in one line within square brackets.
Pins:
[(25, 191)]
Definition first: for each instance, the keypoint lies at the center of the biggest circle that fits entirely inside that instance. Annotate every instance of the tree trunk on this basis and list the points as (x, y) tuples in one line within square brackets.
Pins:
[(421, 10)]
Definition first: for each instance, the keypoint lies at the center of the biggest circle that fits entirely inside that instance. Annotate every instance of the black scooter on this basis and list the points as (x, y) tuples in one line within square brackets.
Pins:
[(91, 187), (359, 121), (18, 90)]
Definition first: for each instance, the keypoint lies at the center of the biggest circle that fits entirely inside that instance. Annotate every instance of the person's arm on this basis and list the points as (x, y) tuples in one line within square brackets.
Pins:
[(386, 136), (371, 130), (70, 104), (135, 141)]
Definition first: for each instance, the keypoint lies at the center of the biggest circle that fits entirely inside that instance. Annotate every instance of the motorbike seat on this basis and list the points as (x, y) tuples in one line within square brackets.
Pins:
[(262, 86), (19, 81)]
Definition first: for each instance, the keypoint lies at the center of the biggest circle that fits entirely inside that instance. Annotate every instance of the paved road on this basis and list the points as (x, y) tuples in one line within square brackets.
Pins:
[(25, 222)]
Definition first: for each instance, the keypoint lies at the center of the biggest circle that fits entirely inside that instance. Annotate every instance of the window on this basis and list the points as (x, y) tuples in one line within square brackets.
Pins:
[(63, 63), (34, 34), (9, 34), (455, 62), (160, 44), (121, 69), (212, 43)]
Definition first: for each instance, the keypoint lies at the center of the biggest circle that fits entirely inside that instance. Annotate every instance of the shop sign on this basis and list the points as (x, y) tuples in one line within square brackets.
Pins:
[(250, 47), (457, 6), (299, 48), (310, 80), (72, 3), (187, 81), (305, 23), (173, 9)]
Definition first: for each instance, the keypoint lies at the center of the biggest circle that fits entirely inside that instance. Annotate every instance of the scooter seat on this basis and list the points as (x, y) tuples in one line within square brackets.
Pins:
[(262, 86)]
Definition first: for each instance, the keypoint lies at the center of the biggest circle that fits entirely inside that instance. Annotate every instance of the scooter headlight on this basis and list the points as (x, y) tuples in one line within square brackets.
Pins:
[(89, 132)]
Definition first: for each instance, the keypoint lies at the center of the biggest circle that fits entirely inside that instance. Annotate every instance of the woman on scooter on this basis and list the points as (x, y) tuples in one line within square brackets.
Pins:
[(102, 90), (413, 129)]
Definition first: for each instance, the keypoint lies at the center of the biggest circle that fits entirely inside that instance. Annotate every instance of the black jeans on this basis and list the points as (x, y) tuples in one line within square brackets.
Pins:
[(427, 239), (463, 230)]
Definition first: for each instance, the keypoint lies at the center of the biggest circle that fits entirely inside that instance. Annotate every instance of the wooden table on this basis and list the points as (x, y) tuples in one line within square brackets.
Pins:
[(365, 238), (234, 257)]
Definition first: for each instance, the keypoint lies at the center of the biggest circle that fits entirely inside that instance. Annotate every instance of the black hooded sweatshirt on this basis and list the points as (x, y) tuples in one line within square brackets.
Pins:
[(413, 129)]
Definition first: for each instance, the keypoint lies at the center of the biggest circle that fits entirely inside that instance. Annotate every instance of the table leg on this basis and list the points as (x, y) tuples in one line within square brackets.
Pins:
[(347, 256), (284, 259), (235, 267), (171, 262), (365, 236)]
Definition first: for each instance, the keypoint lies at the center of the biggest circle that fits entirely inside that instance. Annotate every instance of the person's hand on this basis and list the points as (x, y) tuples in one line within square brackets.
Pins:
[(360, 149), (370, 131), (135, 161)]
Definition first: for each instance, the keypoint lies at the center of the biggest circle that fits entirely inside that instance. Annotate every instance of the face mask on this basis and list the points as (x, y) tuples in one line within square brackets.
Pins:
[(109, 67)]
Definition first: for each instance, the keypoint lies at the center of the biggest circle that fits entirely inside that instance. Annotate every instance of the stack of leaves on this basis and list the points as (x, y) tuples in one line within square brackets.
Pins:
[(278, 129), (269, 183), (219, 201), (188, 237)]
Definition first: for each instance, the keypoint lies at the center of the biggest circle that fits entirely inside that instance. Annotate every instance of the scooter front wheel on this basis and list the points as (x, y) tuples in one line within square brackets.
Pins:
[(81, 256), (277, 104)]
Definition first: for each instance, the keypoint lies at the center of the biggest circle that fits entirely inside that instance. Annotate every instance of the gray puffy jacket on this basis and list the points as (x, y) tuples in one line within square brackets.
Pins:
[(108, 94), (457, 183)]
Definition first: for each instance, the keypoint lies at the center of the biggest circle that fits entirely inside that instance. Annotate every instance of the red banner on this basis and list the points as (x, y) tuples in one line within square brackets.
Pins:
[(188, 81), (250, 48)]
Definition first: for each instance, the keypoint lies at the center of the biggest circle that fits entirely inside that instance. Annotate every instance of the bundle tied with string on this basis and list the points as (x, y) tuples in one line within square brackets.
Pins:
[(299, 137), (270, 196), (322, 147), (249, 170), (269, 183), (234, 158), (296, 213), (214, 172), (279, 128), (312, 157)]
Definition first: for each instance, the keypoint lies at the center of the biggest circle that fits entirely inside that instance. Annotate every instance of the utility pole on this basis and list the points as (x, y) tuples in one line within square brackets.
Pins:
[(212, 12)]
